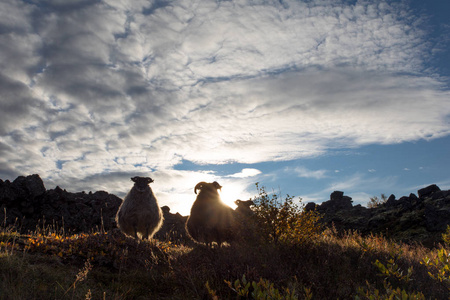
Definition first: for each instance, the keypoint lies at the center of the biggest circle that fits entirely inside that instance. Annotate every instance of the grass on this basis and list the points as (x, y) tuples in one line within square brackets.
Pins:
[(284, 254), (109, 265)]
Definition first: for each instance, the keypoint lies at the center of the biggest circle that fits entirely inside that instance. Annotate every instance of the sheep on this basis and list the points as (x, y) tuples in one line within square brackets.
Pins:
[(243, 208), (139, 215), (210, 219), (246, 227)]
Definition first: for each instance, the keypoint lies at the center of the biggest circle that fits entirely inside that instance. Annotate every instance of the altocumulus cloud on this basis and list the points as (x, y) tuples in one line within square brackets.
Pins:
[(94, 92)]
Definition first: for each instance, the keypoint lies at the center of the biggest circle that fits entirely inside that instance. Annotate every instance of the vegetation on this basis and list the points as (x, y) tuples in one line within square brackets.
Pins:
[(375, 201), (293, 259)]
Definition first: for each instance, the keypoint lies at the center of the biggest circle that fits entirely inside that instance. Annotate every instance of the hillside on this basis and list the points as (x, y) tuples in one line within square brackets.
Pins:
[(289, 255)]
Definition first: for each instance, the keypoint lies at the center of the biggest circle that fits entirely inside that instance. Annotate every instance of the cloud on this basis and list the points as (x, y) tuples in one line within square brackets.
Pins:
[(246, 172), (359, 182), (306, 173), (106, 89)]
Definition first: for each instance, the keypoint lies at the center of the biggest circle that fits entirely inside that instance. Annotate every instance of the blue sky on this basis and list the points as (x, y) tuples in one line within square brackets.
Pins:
[(304, 97)]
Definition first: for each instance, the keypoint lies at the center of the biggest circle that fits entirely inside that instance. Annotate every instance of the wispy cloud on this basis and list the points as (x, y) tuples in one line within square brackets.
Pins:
[(306, 173), (246, 172), (90, 89), (359, 182)]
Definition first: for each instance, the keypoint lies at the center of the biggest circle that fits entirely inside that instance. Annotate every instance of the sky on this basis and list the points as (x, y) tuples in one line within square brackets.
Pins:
[(303, 97)]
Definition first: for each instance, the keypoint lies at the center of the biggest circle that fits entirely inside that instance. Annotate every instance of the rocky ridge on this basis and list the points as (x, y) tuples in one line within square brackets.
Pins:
[(415, 218)]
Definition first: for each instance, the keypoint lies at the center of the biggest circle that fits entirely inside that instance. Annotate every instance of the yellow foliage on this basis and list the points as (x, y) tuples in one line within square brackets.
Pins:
[(285, 221)]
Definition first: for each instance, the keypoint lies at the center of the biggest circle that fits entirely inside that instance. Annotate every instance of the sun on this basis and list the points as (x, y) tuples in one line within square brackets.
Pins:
[(231, 192)]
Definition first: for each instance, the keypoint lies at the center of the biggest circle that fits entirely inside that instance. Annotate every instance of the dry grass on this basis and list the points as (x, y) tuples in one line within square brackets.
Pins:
[(307, 263)]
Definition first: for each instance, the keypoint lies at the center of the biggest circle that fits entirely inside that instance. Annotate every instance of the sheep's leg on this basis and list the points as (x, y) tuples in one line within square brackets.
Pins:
[(145, 235)]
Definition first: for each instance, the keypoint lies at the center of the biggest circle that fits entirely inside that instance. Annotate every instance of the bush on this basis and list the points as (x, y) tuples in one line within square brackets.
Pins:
[(285, 221), (375, 201)]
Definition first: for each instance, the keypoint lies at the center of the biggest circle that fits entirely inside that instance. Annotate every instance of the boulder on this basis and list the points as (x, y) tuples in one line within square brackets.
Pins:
[(428, 191)]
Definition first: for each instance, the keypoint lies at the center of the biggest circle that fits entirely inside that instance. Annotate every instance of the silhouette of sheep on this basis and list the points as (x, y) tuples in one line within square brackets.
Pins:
[(210, 219), (246, 227), (243, 208), (139, 215)]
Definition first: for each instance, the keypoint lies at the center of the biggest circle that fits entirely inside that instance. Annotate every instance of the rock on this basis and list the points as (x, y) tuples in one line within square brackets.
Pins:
[(310, 206), (420, 219), (336, 196), (391, 201), (27, 204), (173, 228), (32, 185), (428, 191), (336, 203)]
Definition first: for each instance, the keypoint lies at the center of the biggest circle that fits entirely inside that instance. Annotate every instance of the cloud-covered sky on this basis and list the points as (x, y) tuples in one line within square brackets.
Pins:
[(95, 92)]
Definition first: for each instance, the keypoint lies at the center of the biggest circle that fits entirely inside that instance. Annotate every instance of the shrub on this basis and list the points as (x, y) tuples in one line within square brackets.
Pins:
[(375, 201), (261, 290), (285, 221)]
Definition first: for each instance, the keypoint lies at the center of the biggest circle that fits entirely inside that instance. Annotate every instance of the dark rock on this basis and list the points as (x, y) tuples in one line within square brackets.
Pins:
[(391, 201), (428, 191), (310, 206), (27, 204), (173, 228), (440, 195), (436, 220), (420, 219), (336, 196), (32, 185), (336, 203)]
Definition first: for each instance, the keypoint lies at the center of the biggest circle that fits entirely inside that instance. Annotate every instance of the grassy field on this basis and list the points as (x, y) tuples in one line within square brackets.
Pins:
[(284, 253), (108, 265)]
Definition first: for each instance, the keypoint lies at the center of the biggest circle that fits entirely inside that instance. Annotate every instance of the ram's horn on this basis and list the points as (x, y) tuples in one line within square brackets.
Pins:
[(199, 186)]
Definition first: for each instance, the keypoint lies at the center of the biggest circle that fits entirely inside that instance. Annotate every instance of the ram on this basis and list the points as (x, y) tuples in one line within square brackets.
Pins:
[(139, 215), (210, 219)]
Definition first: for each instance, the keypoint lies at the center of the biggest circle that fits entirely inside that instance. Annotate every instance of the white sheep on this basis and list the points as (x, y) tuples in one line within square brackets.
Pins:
[(210, 219), (139, 215)]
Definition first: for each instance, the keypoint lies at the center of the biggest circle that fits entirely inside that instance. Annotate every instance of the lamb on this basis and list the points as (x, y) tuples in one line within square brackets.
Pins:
[(139, 215), (210, 219)]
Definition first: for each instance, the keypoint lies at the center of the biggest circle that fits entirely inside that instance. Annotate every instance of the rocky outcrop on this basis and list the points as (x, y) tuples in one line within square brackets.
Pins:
[(27, 204), (412, 218), (173, 228)]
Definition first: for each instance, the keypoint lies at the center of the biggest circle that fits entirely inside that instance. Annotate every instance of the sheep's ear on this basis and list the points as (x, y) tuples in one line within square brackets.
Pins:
[(134, 179), (237, 202), (217, 185), (149, 180)]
